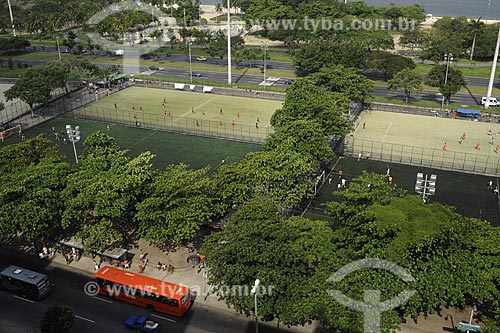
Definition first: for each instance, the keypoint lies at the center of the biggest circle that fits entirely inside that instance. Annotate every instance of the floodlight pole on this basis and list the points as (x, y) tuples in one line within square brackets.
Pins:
[(492, 74), (229, 80), (188, 41), (11, 19), (58, 48), (73, 136), (448, 58)]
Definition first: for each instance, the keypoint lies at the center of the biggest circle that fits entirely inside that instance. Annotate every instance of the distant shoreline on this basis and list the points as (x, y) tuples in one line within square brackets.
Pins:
[(430, 20)]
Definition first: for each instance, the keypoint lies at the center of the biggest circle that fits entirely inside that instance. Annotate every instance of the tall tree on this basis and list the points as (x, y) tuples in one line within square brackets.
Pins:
[(289, 257), (407, 79), (389, 63), (454, 80)]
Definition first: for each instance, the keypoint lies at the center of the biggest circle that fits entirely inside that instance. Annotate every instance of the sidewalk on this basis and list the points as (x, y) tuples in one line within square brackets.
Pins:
[(184, 274), (188, 275)]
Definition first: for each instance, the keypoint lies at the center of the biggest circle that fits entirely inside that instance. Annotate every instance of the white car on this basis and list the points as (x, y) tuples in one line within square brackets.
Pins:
[(493, 101)]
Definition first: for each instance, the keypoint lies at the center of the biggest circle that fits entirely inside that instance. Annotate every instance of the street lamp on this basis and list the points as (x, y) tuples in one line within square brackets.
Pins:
[(425, 186), (448, 58), (188, 42), (263, 46), (254, 291), (73, 136), (58, 48)]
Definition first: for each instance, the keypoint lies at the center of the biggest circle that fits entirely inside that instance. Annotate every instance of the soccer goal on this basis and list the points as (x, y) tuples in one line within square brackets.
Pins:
[(5, 133), (320, 179)]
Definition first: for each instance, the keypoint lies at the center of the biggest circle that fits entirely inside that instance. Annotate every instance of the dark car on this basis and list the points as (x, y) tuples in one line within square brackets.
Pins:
[(288, 81), (142, 324), (154, 68), (196, 74)]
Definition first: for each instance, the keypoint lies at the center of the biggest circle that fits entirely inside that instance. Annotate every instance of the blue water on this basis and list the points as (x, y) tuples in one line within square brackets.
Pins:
[(470, 8)]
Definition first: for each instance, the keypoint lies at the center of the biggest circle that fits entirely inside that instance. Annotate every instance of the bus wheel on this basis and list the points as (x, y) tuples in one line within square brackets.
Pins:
[(150, 308)]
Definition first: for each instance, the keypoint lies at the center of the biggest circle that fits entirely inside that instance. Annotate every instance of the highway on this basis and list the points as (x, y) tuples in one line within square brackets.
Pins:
[(459, 98), (100, 314)]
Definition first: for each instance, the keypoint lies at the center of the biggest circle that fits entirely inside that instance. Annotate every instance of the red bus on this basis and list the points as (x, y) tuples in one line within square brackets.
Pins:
[(153, 294)]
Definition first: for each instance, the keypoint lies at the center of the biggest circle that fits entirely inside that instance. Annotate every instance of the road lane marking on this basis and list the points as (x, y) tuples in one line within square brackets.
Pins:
[(83, 318), (104, 300), (24, 299), (171, 320)]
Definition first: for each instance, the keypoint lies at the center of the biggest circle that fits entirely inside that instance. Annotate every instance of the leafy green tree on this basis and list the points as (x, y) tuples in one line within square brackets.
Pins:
[(290, 258), (13, 44), (305, 100), (58, 318), (32, 176), (389, 63), (102, 193), (349, 81), (313, 56), (407, 79), (302, 136), (454, 80), (175, 204), (282, 175)]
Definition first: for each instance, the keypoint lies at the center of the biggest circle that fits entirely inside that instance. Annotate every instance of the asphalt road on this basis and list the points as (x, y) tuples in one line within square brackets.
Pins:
[(101, 314), (459, 98)]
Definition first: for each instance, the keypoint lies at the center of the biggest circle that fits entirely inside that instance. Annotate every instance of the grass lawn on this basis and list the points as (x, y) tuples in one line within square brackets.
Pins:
[(168, 147), (242, 118)]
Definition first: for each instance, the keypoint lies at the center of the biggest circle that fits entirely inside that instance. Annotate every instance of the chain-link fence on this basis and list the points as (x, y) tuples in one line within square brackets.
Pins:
[(278, 96), (418, 156), (192, 126)]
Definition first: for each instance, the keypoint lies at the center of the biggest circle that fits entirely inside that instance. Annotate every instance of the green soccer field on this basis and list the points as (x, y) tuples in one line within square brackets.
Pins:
[(428, 132), (241, 110)]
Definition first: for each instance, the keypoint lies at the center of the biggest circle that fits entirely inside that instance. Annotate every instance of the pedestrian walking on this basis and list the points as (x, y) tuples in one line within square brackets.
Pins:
[(238, 114), (158, 266), (388, 172), (133, 107), (490, 185), (197, 123), (495, 190), (364, 125), (445, 146), (96, 266), (192, 109), (497, 148), (221, 111), (478, 146), (491, 140), (464, 135), (461, 139), (140, 109), (232, 122), (257, 125), (116, 106), (258, 120)]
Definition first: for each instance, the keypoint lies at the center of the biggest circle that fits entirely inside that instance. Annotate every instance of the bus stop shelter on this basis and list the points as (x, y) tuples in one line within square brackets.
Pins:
[(109, 256)]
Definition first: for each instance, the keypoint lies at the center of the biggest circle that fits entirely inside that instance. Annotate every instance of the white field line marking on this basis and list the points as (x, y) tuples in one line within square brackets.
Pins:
[(103, 300), (199, 106), (83, 318), (167, 319), (139, 141), (387, 131), (24, 299)]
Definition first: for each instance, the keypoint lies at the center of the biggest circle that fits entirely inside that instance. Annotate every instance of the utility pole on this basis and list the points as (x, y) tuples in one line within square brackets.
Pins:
[(493, 71), (263, 46)]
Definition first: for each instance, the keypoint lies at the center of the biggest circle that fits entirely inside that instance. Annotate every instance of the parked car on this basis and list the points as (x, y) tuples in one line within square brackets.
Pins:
[(287, 81), (154, 68), (201, 58), (142, 324), (493, 101)]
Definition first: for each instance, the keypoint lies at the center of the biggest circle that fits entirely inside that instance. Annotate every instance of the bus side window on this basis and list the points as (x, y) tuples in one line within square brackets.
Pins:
[(172, 302), (162, 299), (100, 282)]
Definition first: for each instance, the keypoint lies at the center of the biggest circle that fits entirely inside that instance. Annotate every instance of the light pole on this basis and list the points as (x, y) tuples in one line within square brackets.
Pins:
[(188, 41), (263, 47), (58, 48), (254, 291), (73, 136), (229, 74), (474, 309), (448, 57), (425, 186), (11, 19)]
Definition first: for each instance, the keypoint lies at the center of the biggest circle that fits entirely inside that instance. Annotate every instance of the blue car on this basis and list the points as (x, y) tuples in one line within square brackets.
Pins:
[(142, 324)]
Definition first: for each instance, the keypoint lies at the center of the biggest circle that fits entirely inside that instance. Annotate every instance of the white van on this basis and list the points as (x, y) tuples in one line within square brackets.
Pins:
[(493, 101)]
